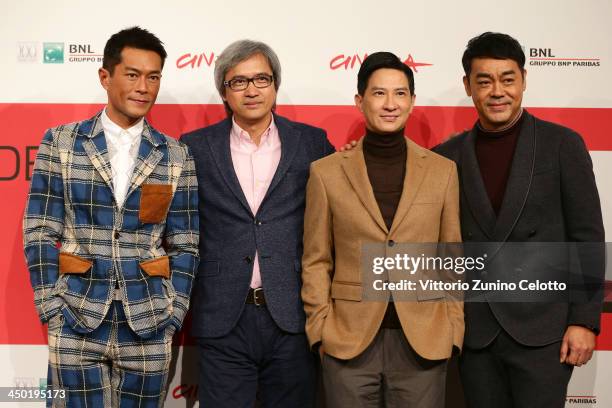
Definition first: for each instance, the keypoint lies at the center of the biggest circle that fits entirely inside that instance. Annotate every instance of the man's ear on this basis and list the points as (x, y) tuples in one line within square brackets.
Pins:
[(358, 101), (105, 77), (524, 80), (466, 85), (413, 97)]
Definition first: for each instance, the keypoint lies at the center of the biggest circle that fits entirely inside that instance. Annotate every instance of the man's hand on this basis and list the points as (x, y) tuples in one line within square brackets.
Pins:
[(348, 146), (577, 346)]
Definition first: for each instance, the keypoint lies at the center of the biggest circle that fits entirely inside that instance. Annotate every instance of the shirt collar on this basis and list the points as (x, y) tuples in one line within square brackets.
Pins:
[(240, 135), (114, 130)]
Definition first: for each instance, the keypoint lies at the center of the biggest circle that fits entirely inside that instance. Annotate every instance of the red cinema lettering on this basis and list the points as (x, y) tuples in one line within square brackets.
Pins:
[(209, 60), (412, 64), (187, 391), (346, 61), (356, 58), (185, 60), (195, 60), (338, 61)]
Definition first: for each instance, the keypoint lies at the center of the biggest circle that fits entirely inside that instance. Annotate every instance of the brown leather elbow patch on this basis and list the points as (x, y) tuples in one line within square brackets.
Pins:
[(154, 202), (157, 267), (69, 263)]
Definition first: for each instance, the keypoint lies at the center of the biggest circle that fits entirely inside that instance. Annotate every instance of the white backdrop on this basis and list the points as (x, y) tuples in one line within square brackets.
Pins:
[(568, 77)]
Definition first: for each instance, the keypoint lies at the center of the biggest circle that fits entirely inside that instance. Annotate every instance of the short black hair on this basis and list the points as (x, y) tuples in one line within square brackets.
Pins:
[(380, 60), (492, 45), (133, 37)]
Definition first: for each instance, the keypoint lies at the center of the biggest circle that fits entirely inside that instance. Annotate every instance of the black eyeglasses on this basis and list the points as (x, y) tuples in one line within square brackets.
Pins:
[(241, 83)]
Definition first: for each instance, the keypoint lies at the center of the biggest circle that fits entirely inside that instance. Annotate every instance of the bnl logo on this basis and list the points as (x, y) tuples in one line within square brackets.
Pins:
[(53, 53)]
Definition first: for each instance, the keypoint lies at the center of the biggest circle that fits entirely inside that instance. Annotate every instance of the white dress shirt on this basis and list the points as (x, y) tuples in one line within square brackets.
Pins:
[(122, 145)]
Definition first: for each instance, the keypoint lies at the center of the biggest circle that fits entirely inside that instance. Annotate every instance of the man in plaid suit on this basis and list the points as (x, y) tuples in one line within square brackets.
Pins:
[(120, 199)]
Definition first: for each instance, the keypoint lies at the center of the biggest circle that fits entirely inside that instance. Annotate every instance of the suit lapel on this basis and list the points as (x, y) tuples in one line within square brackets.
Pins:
[(148, 157), (415, 174), (519, 180), (473, 187), (290, 140), (96, 149), (355, 169), (220, 147)]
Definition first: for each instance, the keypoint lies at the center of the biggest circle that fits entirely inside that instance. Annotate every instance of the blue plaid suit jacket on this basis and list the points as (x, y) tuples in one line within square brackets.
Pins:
[(148, 248)]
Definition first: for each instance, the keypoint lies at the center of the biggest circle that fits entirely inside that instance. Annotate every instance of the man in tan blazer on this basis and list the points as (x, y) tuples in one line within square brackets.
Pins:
[(387, 190)]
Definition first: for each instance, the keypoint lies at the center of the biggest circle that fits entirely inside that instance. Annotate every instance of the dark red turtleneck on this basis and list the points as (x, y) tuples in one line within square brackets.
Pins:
[(494, 151)]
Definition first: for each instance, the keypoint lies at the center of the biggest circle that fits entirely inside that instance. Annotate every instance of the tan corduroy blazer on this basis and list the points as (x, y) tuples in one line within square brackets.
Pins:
[(341, 215)]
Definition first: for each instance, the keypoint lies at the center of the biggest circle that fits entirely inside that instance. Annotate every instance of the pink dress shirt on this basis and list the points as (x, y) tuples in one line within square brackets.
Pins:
[(255, 166)]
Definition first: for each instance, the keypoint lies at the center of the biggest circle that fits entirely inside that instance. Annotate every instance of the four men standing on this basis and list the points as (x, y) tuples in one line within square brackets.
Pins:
[(121, 199)]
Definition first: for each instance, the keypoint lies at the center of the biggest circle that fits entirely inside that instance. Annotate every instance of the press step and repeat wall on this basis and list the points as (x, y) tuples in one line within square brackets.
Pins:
[(51, 52)]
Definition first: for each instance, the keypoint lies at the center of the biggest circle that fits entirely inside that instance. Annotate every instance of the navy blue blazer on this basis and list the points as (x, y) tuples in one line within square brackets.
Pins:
[(231, 233)]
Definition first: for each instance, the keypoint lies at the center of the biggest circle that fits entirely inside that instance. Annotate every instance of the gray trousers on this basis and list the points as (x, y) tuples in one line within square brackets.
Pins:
[(389, 373)]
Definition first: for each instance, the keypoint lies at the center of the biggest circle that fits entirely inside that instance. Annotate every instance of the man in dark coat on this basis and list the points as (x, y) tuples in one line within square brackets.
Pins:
[(524, 180)]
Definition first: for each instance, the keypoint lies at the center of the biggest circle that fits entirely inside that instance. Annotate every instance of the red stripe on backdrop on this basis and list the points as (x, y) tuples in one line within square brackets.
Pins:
[(428, 124), (23, 125), (604, 340)]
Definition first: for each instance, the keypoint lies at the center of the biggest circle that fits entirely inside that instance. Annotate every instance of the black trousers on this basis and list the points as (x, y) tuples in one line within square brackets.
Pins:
[(256, 361), (507, 374)]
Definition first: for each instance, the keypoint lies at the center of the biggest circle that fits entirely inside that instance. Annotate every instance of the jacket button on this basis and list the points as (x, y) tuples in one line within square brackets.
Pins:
[(258, 222), (532, 233), (391, 243), (117, 235), (248, 259)]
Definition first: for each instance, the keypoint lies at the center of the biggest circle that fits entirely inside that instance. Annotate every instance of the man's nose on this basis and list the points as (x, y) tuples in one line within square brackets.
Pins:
[(497, 89), (251, 89), (141, 84), (390, 103)]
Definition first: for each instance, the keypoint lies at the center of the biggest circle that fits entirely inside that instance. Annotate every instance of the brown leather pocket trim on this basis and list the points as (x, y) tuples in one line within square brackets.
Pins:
[(157, 267), (69, 263), (154, 202), (346, 291)]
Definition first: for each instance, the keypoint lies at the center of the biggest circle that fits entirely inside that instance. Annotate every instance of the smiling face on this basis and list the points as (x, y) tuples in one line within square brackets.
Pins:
[(133, 86), (386, 102), (251, 106), (496, 87)]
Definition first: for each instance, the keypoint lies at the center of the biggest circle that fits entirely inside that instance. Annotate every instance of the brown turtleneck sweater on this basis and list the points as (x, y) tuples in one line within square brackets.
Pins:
[(494, 151), (385, 158)]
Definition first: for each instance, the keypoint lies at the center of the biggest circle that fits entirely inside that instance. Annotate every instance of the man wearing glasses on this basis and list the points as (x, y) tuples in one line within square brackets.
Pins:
[(252, 170)]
